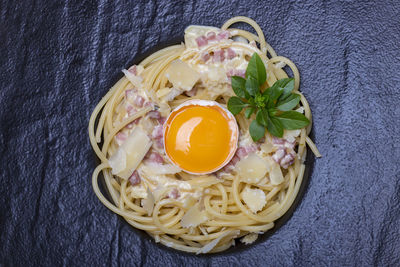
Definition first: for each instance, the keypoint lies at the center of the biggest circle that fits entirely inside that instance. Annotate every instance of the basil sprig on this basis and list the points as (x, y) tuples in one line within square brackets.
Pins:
[(272, 106)]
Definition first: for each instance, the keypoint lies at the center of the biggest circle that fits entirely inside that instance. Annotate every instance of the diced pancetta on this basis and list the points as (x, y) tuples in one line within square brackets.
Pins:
[(201, 41)]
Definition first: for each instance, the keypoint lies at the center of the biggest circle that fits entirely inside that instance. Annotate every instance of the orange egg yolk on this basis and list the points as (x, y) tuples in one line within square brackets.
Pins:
[(199, 138)]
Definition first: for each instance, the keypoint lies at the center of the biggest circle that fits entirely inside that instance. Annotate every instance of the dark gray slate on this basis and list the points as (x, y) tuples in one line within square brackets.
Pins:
[(58, 59)]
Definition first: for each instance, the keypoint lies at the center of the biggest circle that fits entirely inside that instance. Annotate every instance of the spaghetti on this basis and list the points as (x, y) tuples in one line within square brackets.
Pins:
[(195, 213)]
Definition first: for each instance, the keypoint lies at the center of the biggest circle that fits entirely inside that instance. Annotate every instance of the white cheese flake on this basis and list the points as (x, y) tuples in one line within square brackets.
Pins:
[(251, 168), (276, 175), (181, 75), (208, 247), (193, 217), (250, 238), (148, 203), (255, 199), (130, 154)]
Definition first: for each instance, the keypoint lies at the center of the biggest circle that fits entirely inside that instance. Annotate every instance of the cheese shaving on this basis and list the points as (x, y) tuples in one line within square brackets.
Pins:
[(193, 217), (208, 247), (250, 238), (255, 199), (148, 203)]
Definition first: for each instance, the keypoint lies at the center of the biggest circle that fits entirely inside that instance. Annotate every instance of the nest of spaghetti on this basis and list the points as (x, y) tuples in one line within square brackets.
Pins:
[(196, 213)]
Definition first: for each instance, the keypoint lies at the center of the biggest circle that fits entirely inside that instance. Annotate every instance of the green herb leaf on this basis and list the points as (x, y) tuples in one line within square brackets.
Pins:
[(257, 131), (273, 92), (252, 86), (239, 86), (275, 127), (287, 85), (235, 105), (256, 69), (288, 103), (262, 117), (249, 111), (292, 120)]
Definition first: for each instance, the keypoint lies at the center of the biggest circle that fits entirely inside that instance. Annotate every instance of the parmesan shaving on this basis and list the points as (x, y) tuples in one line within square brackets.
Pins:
[(255, 199), (208, 247), (157, 168), (193, 217), (250, 238), (252, 168), (130, 154), (148, 203), (181, 75), (276, 175)]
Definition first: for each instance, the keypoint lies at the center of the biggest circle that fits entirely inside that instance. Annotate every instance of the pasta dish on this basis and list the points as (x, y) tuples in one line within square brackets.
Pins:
[(202, 144)]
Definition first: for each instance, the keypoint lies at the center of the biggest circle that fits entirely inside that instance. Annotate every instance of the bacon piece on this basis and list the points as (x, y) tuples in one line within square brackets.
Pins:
[(120, 138), (155, 157), (278, 141), (162, 120), (131, 110), (192, 92), (201, 41), (205, 56), (287, 160), (235, 159), (138, 101), (157, 132), (134, 179), (219, 55), (174, 193), (241, 152), (160, 143), (223, 35), (279, 154), (133, 70), (231, 53), (241, 73), (211, 36), (253, 44), (154, 114)]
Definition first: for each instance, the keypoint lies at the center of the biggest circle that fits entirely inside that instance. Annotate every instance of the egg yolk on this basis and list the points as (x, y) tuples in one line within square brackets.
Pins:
[(199, 138)]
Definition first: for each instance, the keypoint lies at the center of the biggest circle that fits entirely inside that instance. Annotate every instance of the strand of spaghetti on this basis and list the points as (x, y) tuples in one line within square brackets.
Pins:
[(224, 197), (110, 109), (98, 108), (226, 217), (313, 147), (159, 55), (292, 66), (157, 220), (257, 229), (248, 35), (252, 23)]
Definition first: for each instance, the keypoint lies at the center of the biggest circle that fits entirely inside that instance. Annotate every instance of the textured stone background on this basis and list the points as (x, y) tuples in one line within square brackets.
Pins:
[(58, 59)]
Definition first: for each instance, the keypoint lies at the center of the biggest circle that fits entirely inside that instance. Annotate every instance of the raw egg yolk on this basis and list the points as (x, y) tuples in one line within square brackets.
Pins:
[(199, 138)]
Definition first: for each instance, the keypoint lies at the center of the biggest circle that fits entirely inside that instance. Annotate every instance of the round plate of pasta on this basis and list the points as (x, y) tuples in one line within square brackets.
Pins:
[(204, 143)]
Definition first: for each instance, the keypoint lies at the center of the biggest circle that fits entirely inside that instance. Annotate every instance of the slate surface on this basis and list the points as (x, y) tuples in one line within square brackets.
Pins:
[(58, 59)]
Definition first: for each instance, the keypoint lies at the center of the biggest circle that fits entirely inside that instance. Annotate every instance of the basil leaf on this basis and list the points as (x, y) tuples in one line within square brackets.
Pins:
[(273, 92), (287, 84), (288, 103), (257, 131), (239, 86), (256, 69), (252, 86), (275, 127), (249, 111), (292, 120), (262, 117), (235, 105)]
